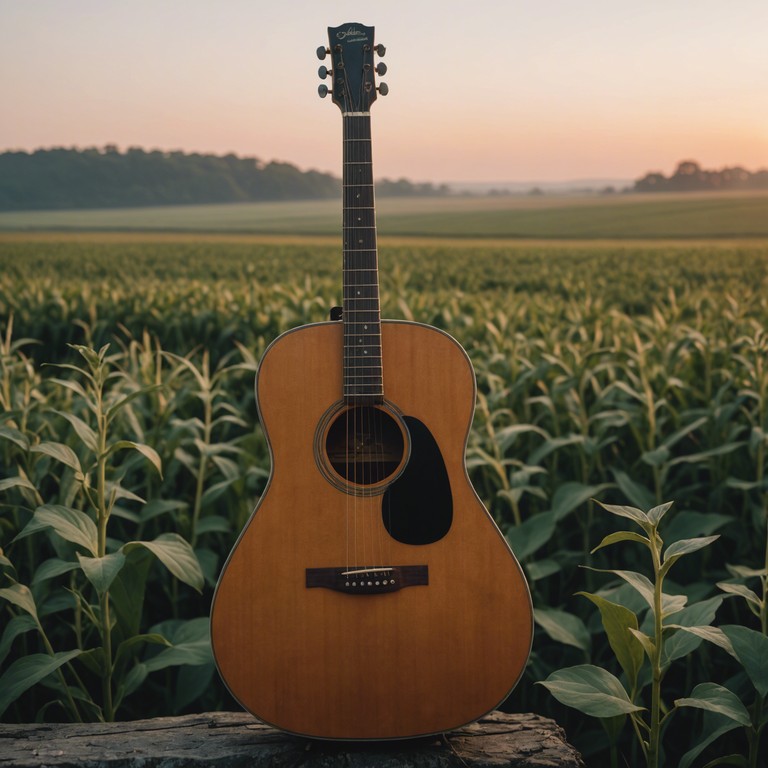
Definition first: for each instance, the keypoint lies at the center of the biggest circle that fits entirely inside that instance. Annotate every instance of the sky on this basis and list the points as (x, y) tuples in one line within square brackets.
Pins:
[(490, 90)]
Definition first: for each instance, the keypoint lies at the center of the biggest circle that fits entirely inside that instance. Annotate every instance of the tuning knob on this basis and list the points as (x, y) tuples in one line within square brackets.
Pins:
[(322, 51), (380, 49), (381, 68), (323, 72), (383, 89), (322, 90)]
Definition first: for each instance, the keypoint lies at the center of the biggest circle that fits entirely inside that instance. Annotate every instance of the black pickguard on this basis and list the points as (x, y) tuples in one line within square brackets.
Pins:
[(418, 507)]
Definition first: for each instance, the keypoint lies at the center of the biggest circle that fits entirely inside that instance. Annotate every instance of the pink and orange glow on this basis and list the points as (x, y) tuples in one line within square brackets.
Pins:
[(479, 91)]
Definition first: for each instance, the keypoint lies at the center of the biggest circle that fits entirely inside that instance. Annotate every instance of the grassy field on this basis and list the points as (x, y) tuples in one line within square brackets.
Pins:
[(693, 215), (631, 371)]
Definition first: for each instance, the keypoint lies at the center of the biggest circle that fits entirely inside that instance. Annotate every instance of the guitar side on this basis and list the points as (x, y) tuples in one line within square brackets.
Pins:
[(413, 661)]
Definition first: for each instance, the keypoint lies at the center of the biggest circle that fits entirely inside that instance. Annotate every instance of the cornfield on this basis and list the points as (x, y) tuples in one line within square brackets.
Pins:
[(131, 455)]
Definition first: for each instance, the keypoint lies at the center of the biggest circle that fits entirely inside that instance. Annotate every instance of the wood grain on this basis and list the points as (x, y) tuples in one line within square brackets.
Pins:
[(321, 663), (236, 740)]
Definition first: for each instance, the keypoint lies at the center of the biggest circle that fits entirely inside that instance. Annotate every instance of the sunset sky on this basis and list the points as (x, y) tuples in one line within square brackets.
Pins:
[(490, 90)]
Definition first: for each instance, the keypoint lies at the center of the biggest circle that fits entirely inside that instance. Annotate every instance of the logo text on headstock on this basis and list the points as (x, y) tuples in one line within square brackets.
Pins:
[(343, 34)]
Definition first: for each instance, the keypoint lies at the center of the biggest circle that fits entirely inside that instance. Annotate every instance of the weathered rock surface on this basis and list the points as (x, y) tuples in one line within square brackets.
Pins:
[(236, 740)]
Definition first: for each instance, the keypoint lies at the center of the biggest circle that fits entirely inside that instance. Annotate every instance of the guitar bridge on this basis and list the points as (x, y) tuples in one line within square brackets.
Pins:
[(370, 580)]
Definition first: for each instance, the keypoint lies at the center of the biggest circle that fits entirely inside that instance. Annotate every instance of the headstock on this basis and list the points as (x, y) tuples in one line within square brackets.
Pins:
[(353, 75)]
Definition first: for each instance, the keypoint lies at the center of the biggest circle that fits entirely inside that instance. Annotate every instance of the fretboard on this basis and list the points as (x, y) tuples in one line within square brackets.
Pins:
[(361, 318)]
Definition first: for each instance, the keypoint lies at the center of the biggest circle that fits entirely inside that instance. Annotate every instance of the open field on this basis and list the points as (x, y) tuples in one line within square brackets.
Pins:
[(631, 371), (691, 215)]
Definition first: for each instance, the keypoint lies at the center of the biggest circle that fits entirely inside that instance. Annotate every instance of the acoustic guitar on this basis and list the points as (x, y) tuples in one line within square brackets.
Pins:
[(370, 595)]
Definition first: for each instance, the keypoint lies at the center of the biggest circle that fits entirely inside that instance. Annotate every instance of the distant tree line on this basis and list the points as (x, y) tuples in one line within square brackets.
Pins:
[(104, 177), (689, 176)]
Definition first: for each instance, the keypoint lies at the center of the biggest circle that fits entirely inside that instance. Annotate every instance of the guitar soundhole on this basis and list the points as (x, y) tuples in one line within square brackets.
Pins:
[(365, 445)]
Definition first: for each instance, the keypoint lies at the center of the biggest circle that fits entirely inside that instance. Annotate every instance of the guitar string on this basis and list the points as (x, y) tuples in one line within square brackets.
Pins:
[(366, 418)]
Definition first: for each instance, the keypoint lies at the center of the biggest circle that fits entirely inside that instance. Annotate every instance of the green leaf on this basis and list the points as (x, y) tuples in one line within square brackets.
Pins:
[(27, 671), (176, 555), (637, 494), (191, 683), (214, 492), (213, 524), (128, 590), (672, 604), (684, 547), (540, 569), (19, 438), (531, 534), (700, 614), (144, 450), (715, 698), (613, 538), (751, 648), (655, 514), (704, 456), (648, 645), (617, 622), (133, 680), (16, 482), (657, 457), (71, 524), (553, 444), (101, 571), (570, 495), (633, 513), (712, 634), (21, 596), (75, 386), (191, 644), (742, 591), (51, 568), (591, 690), (507, 436), (115, 407), (60, 452), (743, 572), (636, 580), (156, 507), (563, 627), (16, 626), (127, 647), (83, 430)]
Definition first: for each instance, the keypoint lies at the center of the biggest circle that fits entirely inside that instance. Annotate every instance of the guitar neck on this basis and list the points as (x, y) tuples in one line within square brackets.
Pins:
[(363, 375)]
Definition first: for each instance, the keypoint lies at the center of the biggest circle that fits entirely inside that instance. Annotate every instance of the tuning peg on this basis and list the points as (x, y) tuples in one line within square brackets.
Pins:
[(383, 89), (322, 90), (323, 72), (380, 49), (381, 68), (322, 51)]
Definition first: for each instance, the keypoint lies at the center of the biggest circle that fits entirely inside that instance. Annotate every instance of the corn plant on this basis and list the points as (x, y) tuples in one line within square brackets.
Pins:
[(105, 580), (597, 692)]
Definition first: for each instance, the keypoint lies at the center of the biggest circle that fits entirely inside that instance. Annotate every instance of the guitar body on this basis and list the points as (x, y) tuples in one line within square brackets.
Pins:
[(358, 605)]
